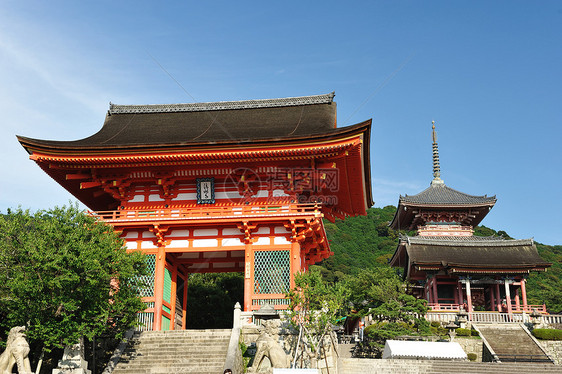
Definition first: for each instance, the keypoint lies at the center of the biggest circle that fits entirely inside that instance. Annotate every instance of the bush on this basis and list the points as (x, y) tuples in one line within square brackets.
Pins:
[(471, 356), (474, 333), (463, 332), (548, 334)]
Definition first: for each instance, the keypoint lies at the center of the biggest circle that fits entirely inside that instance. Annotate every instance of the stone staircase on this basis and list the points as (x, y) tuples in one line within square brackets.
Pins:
[(180, 351), (511, 343), (393, 366)]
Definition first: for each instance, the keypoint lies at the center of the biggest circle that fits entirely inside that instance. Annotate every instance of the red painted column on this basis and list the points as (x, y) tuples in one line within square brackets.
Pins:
[(517, 305), (159, 287), (459, 293), (493, 297), (499, 301), (248, 276), (435, 294), (524, 294)]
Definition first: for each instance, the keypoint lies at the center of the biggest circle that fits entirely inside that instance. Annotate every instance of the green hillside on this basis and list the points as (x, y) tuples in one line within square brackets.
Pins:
[(366, 242)]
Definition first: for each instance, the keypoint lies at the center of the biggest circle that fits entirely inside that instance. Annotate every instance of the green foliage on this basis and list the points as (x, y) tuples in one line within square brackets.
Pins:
[(363, 242), (471, 356), (315, 306), (547, 287), (211, 299), (370, 289), (64, 275), (547, 334), (474, 333), (437, 329), (463, 332)]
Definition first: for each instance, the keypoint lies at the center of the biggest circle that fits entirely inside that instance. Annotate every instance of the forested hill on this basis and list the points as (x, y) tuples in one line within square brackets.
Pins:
[(366, 242)]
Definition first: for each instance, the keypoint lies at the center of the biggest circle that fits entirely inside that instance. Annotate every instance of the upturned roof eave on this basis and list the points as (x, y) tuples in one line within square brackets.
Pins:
[(49, 146)]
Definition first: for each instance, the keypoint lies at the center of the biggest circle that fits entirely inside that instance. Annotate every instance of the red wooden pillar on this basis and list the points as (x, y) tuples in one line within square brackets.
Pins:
[(524, 294), (493, 297), (159, 287), (459, 293), (435, 294), (517, 304), (499, 305), (248, 276), (295, 261)]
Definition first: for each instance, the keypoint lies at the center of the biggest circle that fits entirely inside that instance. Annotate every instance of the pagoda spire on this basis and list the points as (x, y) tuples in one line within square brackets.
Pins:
[(436, 168)]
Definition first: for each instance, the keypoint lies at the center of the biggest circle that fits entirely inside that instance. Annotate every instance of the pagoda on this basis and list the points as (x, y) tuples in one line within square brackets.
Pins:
[(236, 186), (450, 267)]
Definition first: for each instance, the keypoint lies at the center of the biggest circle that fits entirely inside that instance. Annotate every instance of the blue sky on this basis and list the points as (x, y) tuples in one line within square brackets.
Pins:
[(489, 74)]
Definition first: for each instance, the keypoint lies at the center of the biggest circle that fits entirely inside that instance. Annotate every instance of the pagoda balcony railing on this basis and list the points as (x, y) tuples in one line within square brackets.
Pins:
[(495, 317), (434, 307), (207, 212)]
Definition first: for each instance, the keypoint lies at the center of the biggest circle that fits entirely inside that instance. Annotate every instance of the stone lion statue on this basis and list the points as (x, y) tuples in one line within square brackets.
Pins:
[(17, 351), (268, 347)]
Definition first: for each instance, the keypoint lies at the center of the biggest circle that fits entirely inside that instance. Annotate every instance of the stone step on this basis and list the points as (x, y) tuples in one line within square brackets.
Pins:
[(188, 351), (368, 366)]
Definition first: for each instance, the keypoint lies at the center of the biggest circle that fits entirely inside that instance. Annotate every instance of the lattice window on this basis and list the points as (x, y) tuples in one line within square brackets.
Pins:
[(147, 281), (272, 272)]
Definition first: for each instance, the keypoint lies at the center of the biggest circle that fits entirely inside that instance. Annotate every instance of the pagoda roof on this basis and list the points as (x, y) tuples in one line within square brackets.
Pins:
[(226, 122), (469, 254), (440, 196)]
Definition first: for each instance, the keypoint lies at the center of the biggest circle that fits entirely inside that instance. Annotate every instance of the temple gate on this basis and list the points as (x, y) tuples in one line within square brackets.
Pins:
[(239, 186)]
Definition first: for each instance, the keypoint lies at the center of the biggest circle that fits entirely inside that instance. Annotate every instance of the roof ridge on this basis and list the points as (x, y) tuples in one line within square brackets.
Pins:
[(222, 105)]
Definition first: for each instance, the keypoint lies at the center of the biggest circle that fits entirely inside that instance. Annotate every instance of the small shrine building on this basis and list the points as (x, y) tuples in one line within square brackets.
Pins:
[(238, 186), (450, 267)]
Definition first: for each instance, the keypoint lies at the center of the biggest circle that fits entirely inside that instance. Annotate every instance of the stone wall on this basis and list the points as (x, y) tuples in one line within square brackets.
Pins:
[(553, 348), (471, 345)]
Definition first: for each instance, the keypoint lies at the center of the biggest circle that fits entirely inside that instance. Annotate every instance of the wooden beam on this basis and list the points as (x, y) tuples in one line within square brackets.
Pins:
[(85, 185), (77, 176)]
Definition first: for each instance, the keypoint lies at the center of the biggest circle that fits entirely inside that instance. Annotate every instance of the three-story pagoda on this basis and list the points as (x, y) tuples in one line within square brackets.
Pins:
[(449, 266)]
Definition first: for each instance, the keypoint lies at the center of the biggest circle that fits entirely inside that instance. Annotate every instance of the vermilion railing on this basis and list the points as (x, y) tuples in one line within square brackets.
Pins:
[(434, 307), (208, 212)]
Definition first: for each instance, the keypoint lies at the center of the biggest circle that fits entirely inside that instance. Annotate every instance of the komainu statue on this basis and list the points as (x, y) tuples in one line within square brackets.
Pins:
[(17, 351), (268, 348)]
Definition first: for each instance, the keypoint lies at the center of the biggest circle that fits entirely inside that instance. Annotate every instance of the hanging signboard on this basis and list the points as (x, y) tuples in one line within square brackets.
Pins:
[(205, 190)]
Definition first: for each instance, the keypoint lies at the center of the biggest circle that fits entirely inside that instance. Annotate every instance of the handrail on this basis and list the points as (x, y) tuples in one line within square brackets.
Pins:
[(207, 212)]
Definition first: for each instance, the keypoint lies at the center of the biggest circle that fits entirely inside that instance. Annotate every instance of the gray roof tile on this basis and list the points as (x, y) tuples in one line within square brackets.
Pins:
[(440, 194)]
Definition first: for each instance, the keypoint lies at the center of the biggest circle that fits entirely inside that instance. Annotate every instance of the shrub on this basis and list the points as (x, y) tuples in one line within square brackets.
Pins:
[(463, 332), (435, 324), (548, 334), (471, 356), (474, 333)]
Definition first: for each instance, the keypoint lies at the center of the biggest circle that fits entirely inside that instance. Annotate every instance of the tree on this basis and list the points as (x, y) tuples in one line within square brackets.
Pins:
[(315, 306), (65, 275)]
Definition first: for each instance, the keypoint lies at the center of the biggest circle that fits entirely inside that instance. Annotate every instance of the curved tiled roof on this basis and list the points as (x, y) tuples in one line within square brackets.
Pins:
[(468, 241), (470, 252), (208, 123), (440, 194)]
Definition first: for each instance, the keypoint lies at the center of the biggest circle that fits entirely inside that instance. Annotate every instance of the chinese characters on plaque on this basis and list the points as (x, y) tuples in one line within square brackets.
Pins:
[(205, 190)]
